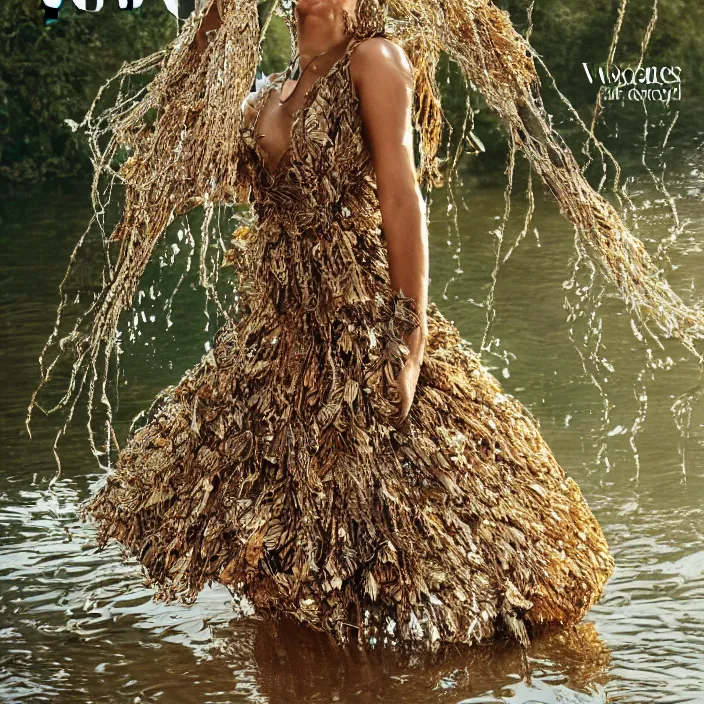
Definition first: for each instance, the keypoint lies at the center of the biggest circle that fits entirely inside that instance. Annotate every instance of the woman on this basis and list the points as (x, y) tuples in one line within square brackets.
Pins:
[(341, 455), (382, 79)]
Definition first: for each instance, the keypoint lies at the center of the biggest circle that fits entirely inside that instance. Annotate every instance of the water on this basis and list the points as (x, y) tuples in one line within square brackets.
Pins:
[(79, 626)]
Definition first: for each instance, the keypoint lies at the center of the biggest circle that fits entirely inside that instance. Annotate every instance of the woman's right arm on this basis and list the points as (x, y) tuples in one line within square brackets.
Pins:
[(211, 21)]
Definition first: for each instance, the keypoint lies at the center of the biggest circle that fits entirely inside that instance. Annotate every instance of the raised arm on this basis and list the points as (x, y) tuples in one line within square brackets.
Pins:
[(182, 134), (383, 79), (211, 21)]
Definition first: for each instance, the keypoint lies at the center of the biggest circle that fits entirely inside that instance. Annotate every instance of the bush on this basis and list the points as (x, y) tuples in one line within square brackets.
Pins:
[(49, 74)]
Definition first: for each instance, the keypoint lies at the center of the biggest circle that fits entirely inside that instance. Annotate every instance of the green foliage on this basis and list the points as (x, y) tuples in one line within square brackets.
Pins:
[(565, 35), (276, 49), (50, 74)]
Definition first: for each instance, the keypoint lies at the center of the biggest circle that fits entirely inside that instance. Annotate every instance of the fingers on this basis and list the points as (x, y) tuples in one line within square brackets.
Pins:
[(405, 407), (402, 409), (401, 395)]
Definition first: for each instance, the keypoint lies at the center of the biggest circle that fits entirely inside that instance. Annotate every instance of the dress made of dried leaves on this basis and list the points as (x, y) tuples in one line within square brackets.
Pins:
[(274, 466)]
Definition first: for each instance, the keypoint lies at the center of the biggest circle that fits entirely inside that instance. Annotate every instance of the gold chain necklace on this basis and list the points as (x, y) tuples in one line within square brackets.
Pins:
[(294, 73)]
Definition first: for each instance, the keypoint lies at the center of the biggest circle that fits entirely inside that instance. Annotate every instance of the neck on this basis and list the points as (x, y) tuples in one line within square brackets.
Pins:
[(319, 32)]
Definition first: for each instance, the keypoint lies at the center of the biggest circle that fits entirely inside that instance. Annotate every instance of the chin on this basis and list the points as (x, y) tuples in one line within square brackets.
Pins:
[(317, 5)]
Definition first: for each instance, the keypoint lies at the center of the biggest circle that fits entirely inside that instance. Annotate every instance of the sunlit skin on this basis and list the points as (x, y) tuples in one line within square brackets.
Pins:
[(382, 77)]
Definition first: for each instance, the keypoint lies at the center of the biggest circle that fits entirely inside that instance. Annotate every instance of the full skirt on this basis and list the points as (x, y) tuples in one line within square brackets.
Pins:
[(275, 467)]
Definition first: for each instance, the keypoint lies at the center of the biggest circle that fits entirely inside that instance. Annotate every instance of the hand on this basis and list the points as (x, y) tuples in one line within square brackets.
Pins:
[(406, 386)]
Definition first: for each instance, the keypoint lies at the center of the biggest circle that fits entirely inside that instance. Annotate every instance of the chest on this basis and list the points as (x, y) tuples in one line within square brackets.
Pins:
[(317, 134)]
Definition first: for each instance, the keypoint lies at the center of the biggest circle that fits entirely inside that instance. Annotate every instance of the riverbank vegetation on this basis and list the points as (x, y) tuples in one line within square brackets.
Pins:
[(49, 74)]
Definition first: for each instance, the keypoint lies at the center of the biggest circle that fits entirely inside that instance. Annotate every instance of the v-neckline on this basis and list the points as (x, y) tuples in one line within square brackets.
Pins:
[(295, 115)]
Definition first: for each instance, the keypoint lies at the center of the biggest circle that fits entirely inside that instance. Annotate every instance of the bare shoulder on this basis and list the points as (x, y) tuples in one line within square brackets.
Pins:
[(378, 57)]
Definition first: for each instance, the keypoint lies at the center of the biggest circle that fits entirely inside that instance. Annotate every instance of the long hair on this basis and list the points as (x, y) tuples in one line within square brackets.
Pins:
[(180, 135)]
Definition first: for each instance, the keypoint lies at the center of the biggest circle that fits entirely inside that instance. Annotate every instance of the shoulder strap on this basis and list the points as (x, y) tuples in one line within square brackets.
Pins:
[(353, 44)]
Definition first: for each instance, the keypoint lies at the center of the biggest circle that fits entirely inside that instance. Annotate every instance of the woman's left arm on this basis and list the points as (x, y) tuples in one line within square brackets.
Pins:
[(383, 80)]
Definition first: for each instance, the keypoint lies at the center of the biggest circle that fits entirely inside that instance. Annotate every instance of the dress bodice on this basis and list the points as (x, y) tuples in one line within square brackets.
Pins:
[(318, 207), (325, 172)]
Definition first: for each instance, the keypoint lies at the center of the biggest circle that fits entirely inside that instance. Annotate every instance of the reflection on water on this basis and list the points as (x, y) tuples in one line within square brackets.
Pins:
[(82, 623), (79, 626)]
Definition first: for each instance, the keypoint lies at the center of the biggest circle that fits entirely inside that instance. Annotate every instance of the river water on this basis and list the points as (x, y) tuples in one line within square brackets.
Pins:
[(77, 625)]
